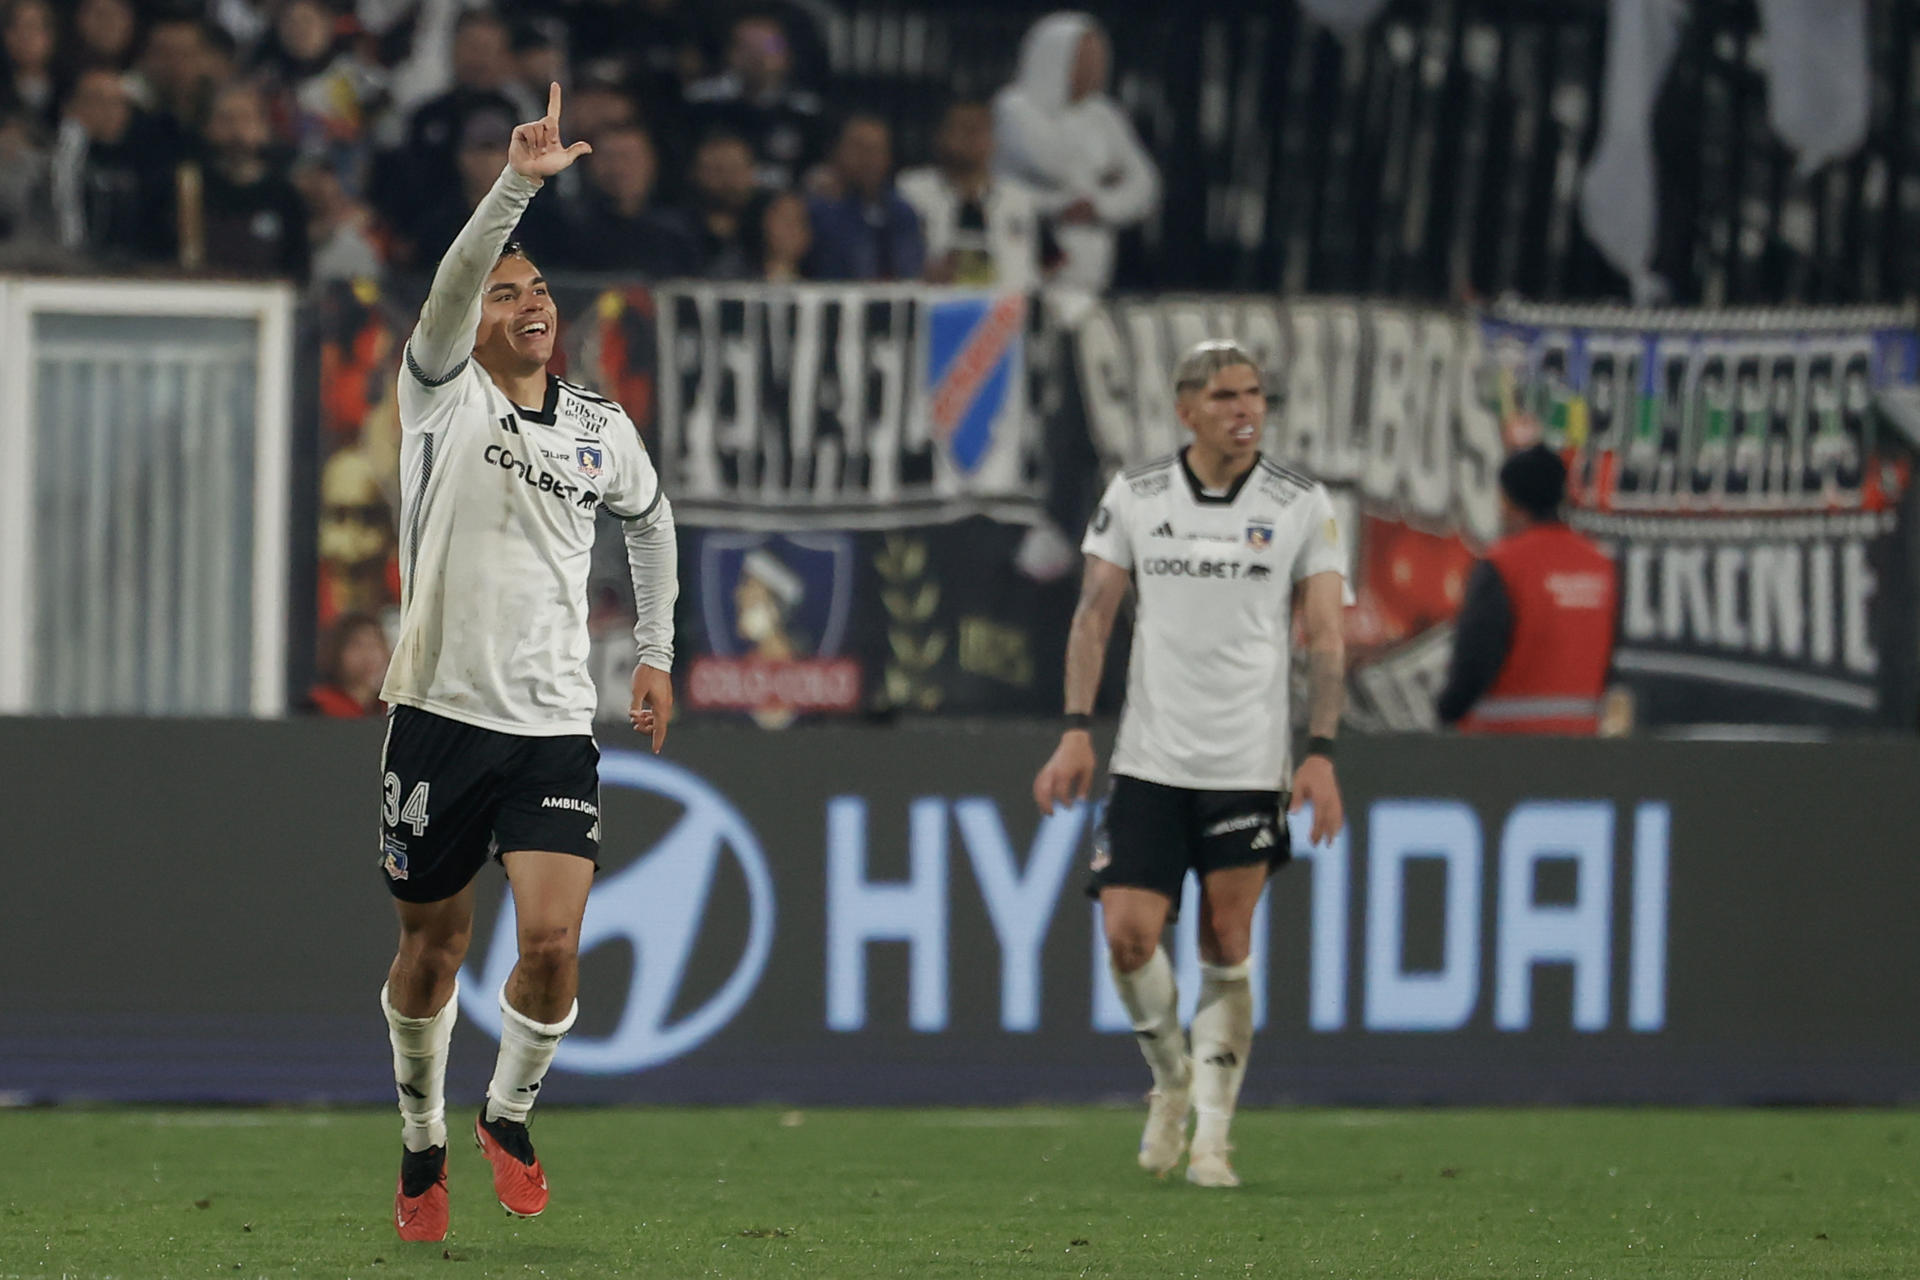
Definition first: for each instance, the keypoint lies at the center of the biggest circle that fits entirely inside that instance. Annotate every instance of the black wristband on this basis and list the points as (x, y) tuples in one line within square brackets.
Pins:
[(1320, 747), (1079, 720)]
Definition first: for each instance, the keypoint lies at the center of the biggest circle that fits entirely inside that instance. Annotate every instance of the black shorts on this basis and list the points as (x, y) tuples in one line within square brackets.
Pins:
[(453, 794), (1149, 835)]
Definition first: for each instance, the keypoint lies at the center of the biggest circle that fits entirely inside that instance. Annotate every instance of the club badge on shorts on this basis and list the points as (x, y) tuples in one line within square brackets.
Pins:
[(395, 859)]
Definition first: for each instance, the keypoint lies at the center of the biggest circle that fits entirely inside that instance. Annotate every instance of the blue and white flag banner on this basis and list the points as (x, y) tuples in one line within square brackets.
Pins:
[(845, 406)]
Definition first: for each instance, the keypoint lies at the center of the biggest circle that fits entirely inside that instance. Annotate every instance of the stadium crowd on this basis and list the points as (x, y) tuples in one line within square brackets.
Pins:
[(326, 140)]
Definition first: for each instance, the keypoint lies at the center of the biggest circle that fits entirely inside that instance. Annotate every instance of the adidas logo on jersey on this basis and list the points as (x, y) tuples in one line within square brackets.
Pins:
[(1264, 840), (1163, 530)]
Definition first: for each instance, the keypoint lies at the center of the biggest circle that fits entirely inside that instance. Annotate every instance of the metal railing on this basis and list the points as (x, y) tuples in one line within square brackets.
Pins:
[(143, 510)]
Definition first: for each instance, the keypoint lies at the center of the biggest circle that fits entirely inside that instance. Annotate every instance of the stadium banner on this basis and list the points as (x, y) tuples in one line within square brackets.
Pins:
[(862, 915), (846, 406), (779, 629), (1744, 468), (1744, 472)]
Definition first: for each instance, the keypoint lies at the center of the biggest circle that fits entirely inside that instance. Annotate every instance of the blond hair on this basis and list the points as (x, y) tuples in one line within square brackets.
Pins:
[(1204, 359)]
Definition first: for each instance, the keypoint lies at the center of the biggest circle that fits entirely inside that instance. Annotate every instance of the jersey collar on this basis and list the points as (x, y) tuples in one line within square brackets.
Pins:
[(545, 414), (1200, 494)]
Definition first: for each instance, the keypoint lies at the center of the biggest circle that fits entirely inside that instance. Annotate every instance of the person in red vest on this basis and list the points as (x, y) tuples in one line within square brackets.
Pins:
[(1534, 639)]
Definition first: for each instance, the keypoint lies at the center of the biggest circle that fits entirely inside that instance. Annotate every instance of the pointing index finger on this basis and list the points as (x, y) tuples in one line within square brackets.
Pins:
[(553, 101)]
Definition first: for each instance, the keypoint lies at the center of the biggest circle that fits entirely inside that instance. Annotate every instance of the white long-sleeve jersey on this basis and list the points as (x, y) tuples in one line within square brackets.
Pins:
[(497, 518)]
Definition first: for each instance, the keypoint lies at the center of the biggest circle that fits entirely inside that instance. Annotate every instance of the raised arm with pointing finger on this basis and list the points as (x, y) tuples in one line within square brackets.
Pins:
[(443, 339)]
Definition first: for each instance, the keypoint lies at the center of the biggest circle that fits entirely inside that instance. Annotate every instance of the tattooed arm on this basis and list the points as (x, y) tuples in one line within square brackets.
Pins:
[(1069, 773), (1313, 781)]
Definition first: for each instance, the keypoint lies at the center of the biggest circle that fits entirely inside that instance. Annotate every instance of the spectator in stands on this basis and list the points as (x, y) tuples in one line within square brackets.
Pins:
[(107, 34), (479, 158), (1534, 640), (484, 62), (786, 237), (864, 230), (539, 58), (979, 229), (112, 177), (725, 194), (222, 53), (615, 225), (658, 41), (29, 58), (26, 220), (412, 41), (754, 98), (649, 51), (1058, 130), (320, 89), (428, 170), (174, 82), (596, 103), (353, 664), (339, 228), (254, 221), (237, 23)]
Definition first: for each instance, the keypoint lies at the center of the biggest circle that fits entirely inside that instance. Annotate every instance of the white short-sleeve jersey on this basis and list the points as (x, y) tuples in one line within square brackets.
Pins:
[(496, 539), (1214, 576)]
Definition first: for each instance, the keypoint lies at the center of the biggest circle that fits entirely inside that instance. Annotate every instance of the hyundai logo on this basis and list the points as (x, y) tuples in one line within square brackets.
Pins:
[(657, 904)]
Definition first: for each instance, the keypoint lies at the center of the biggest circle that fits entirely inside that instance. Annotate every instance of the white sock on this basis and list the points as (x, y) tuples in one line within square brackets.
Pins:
[(1222, 1039), (1153, 1005), (420, 1070), (526, 1051)]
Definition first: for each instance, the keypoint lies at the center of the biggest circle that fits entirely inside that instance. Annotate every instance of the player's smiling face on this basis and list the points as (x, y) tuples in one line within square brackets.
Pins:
[(1226, 415), (518, 321)]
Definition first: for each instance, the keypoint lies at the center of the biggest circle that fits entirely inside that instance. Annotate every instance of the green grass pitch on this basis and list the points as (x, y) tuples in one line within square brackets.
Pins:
[(1411, 1195)]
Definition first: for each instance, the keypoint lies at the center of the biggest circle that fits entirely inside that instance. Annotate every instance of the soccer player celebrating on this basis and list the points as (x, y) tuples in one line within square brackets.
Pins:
[(1222, 546), (490, 746)]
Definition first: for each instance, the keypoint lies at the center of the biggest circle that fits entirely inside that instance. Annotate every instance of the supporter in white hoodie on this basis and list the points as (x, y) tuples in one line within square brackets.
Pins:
[(1058, 131)]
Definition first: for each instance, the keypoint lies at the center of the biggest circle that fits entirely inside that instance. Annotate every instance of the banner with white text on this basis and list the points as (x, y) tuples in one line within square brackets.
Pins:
[(845, 407), (1757, 499), (1741, 467)]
